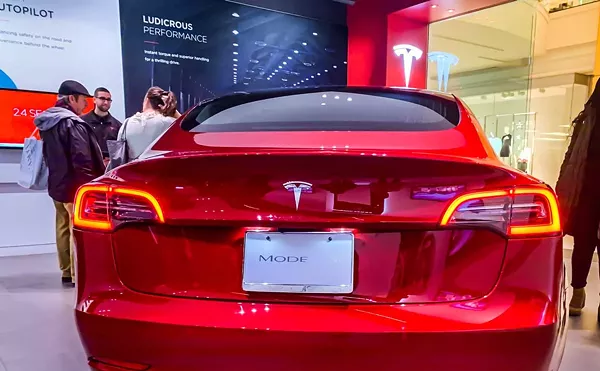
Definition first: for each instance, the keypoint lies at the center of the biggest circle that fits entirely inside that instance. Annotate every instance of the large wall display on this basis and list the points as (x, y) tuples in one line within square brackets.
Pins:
[(202, 49), (197, 49), (44, 42)]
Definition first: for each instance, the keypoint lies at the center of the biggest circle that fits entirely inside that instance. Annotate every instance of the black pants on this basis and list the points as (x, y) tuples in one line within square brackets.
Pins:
[(586, 241)]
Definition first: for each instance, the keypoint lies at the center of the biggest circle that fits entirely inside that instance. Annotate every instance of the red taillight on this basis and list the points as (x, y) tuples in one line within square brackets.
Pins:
[(516, 212), (99, 206)]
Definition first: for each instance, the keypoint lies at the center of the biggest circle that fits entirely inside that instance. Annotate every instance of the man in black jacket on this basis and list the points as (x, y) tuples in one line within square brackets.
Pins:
[(73, 156), (104, 124)]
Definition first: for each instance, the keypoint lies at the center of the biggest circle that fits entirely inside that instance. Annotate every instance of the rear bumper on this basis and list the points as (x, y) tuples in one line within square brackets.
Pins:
[(520, 326), (504, 331)]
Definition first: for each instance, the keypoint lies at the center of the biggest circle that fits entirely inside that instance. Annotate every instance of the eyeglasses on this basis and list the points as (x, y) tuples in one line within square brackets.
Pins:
[(104, 99)]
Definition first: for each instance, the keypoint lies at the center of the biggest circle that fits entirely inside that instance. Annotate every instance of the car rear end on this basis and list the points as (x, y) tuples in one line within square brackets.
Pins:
[(244, 241)]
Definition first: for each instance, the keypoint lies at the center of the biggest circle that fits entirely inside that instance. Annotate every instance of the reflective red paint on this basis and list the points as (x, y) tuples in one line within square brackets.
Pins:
[(426, 297), (521, 317)]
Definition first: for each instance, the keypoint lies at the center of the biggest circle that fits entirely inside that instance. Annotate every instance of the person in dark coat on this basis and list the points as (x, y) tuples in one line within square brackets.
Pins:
[(578, 190), (73, 156)]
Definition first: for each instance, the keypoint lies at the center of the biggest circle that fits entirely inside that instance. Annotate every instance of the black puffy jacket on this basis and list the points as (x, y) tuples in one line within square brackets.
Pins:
[(71, 151), (577, 186)]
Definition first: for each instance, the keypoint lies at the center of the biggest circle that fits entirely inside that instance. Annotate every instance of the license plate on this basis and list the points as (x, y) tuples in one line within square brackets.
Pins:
[(320, 263)]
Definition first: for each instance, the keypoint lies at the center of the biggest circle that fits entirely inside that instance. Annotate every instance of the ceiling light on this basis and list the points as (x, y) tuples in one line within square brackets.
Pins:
[(284, 63), (245, 83), (235, 15), (334, 66), (235, 32), (276, 71), (290, 58), (235, 60), (349, 99), (235, 53), (450, 10), (315, 34), (326, 70), (235, 65), (235, 44), (296, 52), (318, 74), (324, 95), (312, 77), (434, 6), (336, 97), (323, 104), (280, 67), (235, 69), (345, 62), (304, 44)]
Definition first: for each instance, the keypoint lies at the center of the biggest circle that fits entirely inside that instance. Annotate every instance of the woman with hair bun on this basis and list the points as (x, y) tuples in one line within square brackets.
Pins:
[(159, 110)]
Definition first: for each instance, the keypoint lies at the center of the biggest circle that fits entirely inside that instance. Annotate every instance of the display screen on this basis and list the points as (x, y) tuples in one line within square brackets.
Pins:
[(43, 43), (18, 108), (203, 49), (197, 49)]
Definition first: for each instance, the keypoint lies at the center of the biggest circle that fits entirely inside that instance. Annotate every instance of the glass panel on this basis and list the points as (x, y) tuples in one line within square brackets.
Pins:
[(555, 106), (486, 59)]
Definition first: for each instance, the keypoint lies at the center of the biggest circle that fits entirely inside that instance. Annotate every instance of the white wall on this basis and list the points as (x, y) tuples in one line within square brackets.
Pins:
[(573, 26), (565, 41), (28, 217)]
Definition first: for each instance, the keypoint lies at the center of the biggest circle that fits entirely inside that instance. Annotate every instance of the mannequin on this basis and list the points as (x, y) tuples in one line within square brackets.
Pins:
[(506, 143)]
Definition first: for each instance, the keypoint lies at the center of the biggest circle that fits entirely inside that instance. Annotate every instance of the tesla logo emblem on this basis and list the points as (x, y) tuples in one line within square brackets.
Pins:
[(444, 62), (298, 188), (409, 53)]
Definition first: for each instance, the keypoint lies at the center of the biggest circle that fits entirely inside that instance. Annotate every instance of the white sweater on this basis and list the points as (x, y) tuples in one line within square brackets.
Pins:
[(142, 129)]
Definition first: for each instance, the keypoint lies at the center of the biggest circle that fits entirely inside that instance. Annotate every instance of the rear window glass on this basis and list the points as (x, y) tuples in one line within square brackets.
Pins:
[(326, 110)]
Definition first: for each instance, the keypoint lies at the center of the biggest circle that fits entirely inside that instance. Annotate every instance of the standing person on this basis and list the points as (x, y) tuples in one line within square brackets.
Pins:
[(579, 196), (74, 158), (159, 110), (105, 126)]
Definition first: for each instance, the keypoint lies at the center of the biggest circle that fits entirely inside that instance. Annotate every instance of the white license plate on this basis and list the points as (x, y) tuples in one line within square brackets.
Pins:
[(321, 263)]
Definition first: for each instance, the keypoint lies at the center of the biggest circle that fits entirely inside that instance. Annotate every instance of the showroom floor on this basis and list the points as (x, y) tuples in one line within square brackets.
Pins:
[(37, 330)]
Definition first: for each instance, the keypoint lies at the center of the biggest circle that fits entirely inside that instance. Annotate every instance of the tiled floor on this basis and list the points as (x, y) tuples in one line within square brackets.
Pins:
[(37, 331)]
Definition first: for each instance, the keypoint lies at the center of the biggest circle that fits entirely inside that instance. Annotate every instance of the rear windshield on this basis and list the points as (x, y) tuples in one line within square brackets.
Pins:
[(326, 110)]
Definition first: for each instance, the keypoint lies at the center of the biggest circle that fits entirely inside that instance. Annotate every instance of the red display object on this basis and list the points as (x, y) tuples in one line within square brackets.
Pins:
[(403, 30), (18, 108), (160, 269), (375, 26)]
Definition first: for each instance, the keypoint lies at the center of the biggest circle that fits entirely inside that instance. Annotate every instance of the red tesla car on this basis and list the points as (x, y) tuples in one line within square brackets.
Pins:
[(321, 229)]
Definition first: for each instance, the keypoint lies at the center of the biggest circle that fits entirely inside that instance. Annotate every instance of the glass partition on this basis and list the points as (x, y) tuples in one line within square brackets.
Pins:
[(486, 59)]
